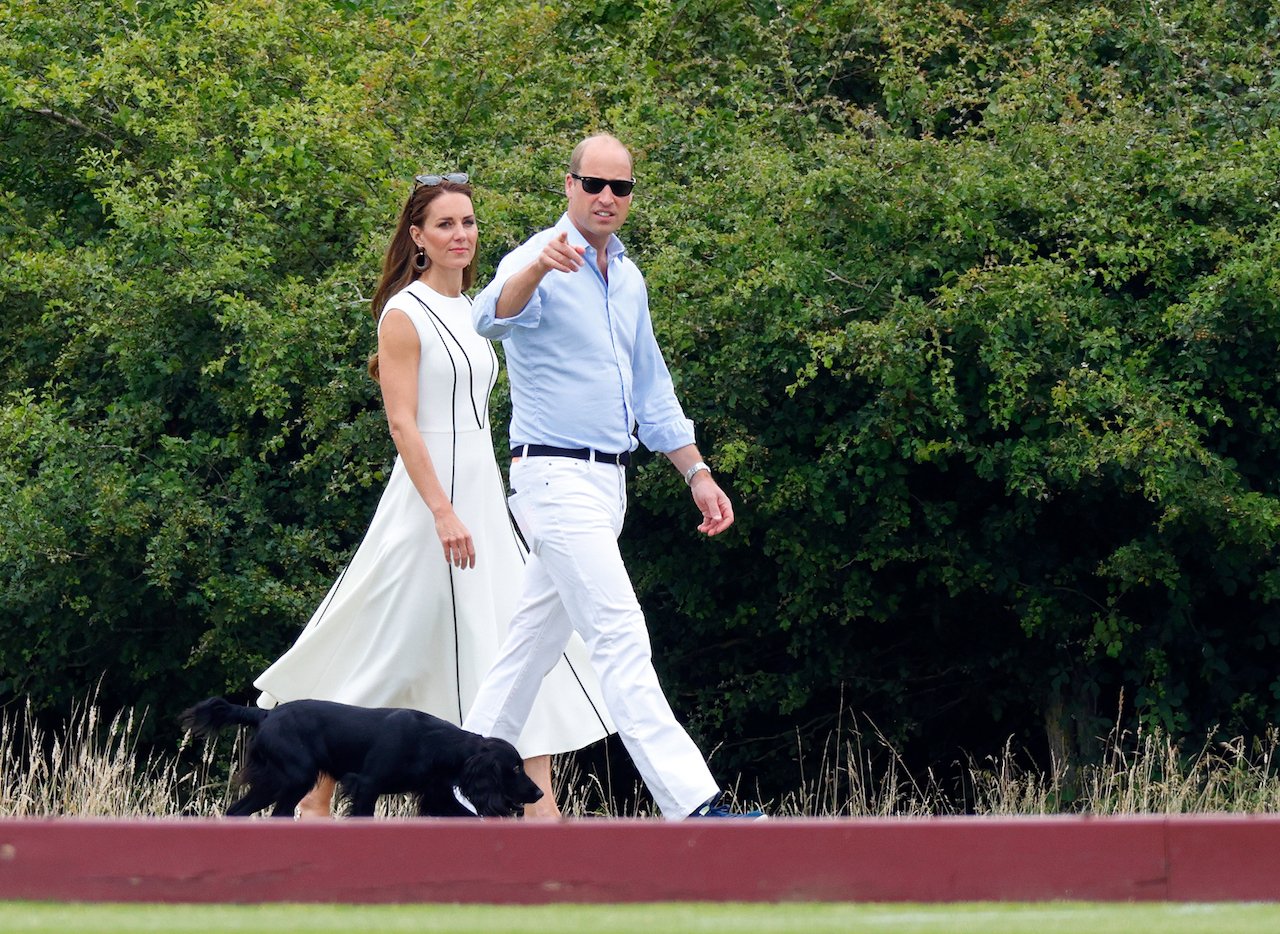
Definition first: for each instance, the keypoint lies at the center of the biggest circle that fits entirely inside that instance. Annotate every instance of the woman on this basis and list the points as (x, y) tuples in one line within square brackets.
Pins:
[(419, 614)]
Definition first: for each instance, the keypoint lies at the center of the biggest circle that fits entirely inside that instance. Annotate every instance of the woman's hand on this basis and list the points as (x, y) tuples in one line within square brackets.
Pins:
[(459, 550)]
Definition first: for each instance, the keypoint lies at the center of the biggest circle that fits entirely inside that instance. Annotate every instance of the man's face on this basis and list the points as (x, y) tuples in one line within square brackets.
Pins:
[(599, 215)]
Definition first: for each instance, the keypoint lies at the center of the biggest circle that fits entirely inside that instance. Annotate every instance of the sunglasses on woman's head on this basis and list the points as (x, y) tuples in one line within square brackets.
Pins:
[(621, 187), (430, 181)]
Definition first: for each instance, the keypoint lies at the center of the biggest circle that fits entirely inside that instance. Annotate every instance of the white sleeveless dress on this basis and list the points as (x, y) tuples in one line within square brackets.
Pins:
[(401, 627)]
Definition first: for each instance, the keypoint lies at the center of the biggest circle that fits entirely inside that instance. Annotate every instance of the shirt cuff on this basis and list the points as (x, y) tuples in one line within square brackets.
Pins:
[(485, 314), (529, 315), (667, 436)]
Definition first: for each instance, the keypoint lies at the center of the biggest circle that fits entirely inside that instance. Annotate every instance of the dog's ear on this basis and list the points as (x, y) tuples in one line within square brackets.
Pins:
[(481, 782)]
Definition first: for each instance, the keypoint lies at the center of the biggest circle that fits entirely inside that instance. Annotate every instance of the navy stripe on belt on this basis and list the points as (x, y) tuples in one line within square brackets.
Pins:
[(582, 454)]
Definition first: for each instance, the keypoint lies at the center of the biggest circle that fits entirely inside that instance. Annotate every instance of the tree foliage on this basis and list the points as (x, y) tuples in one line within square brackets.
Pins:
[(975, 306)]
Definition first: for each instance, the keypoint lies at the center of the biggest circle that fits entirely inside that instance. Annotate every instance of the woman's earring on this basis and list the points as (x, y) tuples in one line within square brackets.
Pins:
[(420, 260)]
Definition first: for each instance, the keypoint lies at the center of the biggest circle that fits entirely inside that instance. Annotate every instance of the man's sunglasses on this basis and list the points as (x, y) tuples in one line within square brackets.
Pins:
[(430, 181), (621, 187)]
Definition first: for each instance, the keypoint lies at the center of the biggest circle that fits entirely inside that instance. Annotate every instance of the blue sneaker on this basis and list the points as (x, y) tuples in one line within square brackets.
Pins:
[(713, 808)]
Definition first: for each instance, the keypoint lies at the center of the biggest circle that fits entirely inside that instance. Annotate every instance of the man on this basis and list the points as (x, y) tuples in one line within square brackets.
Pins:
[(585, 372)]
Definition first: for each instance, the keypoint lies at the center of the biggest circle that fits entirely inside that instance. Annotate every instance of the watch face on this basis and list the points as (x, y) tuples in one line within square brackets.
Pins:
[(693, 471)]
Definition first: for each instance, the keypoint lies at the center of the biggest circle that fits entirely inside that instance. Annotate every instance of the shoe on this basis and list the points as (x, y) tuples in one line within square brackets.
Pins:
[(713, 808)]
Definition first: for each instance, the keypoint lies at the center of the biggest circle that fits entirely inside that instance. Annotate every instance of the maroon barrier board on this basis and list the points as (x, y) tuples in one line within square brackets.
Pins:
[(1175, 858)]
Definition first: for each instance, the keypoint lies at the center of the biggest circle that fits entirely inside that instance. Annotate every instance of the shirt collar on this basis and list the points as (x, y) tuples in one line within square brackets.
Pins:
[(613, 249)]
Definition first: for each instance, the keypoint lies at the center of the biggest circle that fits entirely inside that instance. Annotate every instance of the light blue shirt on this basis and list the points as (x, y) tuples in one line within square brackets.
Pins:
[(584, 366)]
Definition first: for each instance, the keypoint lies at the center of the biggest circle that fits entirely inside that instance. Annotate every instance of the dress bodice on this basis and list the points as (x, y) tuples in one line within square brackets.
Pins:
[(455, 362)]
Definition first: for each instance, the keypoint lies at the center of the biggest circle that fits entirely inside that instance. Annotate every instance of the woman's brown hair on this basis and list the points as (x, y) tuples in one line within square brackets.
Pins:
[(398, 268)]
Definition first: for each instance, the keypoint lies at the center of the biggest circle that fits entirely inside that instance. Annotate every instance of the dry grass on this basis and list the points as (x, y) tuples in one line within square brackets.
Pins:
[(1151, 776), (1140, 774), (91, 767)]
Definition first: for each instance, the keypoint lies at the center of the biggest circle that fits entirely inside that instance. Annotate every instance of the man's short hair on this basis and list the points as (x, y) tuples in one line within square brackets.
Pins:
[(575, 158)]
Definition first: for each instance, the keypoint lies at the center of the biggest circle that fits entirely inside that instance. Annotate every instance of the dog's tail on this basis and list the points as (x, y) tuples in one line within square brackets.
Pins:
[(213, 714)]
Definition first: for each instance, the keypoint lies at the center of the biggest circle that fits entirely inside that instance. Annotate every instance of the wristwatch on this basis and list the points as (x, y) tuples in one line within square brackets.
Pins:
[(692, 472)]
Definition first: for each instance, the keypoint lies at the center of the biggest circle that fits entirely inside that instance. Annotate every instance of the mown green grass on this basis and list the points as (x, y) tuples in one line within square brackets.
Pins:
[(968, 918)]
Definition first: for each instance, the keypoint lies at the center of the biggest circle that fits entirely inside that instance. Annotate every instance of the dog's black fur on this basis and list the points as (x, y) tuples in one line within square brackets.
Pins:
[(371, 752)]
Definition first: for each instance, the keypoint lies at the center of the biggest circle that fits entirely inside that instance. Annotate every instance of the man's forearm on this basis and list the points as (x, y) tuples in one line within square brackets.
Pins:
[(518, 290), (685, 459)]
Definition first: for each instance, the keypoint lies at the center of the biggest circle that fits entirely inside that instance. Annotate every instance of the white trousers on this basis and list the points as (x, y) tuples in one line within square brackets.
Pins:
[(571, 513)]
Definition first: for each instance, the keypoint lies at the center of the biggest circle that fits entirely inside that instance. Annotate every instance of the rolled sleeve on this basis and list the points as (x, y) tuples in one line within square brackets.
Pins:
[(484, 309), (484, 313), (661, 424), (666, 436)]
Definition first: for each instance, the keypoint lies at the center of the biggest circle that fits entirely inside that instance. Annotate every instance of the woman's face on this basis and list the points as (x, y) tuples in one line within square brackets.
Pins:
[(448, 232)]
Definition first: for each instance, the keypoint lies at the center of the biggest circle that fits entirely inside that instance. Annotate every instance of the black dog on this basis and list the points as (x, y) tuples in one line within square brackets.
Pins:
[(371, 752)]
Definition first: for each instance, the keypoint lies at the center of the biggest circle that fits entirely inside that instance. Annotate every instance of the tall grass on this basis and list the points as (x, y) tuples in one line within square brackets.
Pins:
[(92, 767), (1140, 773)]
